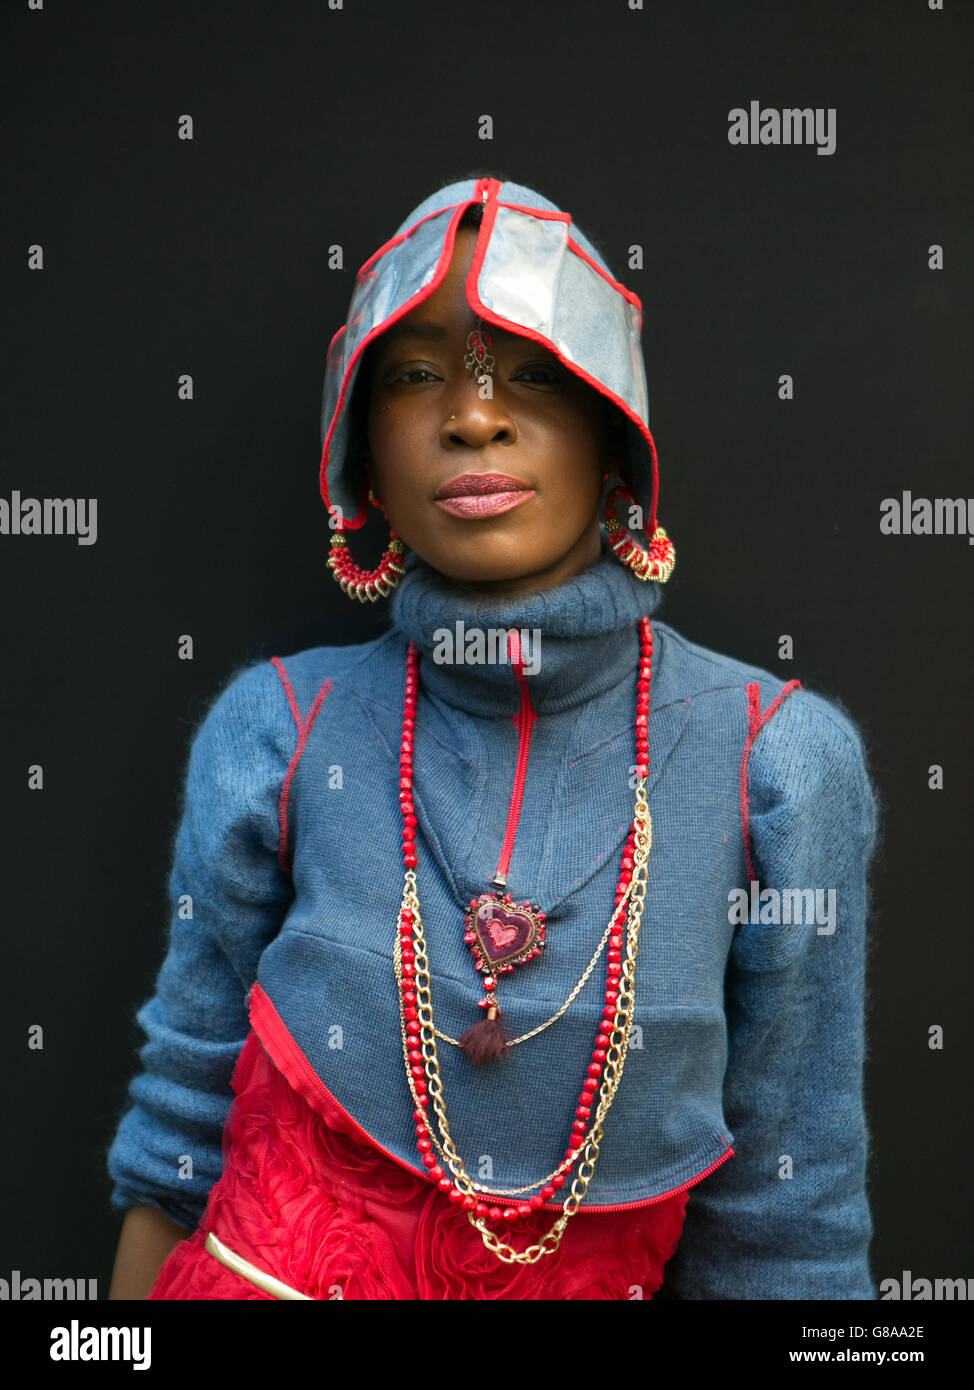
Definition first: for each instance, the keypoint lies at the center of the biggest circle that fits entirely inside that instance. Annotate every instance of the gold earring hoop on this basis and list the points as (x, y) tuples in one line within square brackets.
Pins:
[(655, 561), (367, 585)]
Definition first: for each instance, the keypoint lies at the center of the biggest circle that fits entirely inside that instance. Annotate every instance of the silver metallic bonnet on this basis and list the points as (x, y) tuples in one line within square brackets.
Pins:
[(533, 273)]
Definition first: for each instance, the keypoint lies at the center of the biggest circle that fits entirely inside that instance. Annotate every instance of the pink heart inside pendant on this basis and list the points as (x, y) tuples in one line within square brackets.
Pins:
[(502, 933)]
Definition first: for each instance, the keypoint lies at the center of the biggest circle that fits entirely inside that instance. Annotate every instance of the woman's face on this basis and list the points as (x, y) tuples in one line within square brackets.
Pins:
[(427, 426)]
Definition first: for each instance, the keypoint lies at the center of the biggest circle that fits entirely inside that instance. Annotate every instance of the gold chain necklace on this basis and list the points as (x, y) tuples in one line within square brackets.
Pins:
[(612, 1068), (566, 1163)]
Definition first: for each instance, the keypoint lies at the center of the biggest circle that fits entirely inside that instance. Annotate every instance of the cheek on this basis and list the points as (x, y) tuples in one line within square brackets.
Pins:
[(377, 423), (397, 473), (384, 446), (588, 450), (590, 422), (396, 431)]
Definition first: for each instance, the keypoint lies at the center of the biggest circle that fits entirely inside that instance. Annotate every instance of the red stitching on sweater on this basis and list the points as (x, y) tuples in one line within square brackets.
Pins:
[(756, 720), (304, 729), (289, 689)]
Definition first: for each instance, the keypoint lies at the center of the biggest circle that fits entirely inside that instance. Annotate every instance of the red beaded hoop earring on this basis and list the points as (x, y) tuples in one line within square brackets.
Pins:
[(367, 585), (656, 561)]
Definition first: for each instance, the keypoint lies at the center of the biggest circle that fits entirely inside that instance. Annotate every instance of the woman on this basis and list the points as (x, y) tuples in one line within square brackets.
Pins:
[(413, 876)]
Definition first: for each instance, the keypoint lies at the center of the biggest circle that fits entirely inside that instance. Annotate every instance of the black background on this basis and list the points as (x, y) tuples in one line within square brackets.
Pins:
[(314, 127)]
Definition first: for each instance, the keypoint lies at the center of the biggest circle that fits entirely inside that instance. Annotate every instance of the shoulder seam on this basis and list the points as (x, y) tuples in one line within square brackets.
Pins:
[(756, 720), (304, 727), (292, 699)]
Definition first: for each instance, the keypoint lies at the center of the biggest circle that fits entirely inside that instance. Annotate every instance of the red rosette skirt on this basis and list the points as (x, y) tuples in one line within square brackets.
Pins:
[(304, 1198)]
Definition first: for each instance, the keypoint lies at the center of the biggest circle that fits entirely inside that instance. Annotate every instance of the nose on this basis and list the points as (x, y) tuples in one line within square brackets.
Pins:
[(475, 421)]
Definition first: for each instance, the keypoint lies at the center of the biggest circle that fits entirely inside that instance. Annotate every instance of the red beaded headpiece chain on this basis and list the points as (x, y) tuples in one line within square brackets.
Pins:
[(604, 1071)]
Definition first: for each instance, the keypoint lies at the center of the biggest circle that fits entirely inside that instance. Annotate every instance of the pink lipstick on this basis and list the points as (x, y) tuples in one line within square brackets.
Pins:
[(483, 504), (482, 494)]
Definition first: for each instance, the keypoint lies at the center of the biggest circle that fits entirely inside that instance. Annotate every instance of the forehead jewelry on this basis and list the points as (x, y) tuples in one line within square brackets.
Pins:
[(478, 358)]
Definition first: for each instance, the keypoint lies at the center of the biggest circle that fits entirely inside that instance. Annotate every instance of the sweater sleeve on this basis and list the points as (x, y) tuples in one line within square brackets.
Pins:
[(788, 1217), (228, 898)]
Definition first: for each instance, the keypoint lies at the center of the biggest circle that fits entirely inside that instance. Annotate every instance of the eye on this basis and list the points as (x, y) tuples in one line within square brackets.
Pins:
[(550, 375), (410, 375)]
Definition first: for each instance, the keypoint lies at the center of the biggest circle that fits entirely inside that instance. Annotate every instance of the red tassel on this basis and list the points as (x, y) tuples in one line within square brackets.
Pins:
[(485, 1041)]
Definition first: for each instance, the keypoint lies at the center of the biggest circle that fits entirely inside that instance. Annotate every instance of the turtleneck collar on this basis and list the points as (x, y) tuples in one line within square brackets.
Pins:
[(581, 636)]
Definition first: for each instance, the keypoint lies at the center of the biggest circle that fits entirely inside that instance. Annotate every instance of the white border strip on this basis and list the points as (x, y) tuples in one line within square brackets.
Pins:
[(246, 1270)]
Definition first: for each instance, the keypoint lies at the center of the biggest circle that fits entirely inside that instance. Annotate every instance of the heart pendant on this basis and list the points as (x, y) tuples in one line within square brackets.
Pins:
[(502, 933)]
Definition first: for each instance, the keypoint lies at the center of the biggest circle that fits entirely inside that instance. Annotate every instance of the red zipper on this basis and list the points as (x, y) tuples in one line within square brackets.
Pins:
[(524, 719), (271, 1028)]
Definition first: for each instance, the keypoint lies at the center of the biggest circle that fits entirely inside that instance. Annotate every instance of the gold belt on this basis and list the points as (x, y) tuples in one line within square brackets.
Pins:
[(246, 1270)]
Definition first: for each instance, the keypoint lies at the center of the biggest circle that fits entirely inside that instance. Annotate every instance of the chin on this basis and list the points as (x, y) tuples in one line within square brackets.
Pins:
[(481, 574), (487, 560), (495, 555)]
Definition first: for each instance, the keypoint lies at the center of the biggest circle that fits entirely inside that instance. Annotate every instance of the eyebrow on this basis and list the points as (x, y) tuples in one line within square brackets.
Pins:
[(425, 330), (420, 328)]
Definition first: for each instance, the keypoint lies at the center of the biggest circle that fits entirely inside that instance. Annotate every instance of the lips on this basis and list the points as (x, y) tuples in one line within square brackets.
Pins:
[(478, 484), (483, 504), (478, 495)]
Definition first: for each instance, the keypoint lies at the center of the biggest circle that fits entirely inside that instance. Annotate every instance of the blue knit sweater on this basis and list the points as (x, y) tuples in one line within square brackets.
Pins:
[(743, 1082)]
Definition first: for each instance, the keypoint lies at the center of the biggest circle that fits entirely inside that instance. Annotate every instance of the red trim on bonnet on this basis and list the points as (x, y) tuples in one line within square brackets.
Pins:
[(756, 720), (282, 1048), (492, 188), (393, 241), (423, 293), (549, 213), (304, 729), (616, 284), (473, 299), (579, 251)]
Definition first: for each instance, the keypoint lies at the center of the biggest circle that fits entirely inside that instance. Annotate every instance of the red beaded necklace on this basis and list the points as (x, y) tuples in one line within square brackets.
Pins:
[(608, 1055)]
